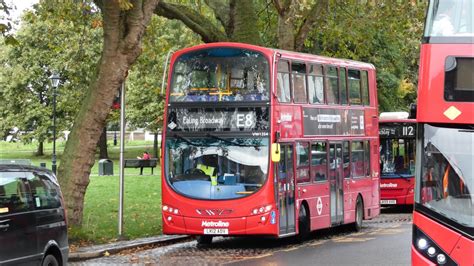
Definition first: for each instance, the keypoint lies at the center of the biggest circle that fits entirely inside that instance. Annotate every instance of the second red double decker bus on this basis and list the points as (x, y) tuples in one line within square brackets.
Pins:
[(260, 141), (397, 158), (443, 217)]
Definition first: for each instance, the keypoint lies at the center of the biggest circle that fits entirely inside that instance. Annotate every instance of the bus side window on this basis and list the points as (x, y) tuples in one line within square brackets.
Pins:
[(283, 84), (367, 157), (365, 88), (357, 159), (343, 85), (319, 165), (316, 84), (332, 90), (302, 162), (354, 87), (298, 77), (346, 159)]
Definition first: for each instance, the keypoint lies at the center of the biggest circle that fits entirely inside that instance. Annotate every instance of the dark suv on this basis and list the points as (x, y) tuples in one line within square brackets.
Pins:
[(33, 229)]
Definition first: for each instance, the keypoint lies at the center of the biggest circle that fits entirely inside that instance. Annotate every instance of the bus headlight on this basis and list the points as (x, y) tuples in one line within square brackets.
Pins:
[(422, 243), (431, 251), (441, 258), (169, 209), (261, 209)]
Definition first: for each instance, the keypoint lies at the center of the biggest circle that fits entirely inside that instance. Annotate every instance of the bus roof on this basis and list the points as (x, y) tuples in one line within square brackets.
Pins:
[(269, 52), (394, 115)]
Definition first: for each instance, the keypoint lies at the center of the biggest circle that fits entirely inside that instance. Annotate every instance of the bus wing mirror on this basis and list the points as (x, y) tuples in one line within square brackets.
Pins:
[(276, 152)]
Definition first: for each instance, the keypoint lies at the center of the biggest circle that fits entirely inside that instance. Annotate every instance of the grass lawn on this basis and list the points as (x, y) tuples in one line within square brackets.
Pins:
[(142, 198)]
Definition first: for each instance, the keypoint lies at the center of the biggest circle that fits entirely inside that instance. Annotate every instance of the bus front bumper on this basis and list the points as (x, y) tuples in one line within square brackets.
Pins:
[(262, 224)]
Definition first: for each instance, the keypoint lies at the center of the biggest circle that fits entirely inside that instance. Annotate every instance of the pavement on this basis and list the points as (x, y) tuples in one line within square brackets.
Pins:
[(96, 251)]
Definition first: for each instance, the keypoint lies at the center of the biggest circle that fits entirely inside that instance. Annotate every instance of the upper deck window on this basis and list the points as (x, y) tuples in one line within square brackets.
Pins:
[(283, 83), (299, 82), (343, 85), (220, 74), (316, 84), (458, 80), (332, 84), (365, 88), (450, 18), (354, 86)]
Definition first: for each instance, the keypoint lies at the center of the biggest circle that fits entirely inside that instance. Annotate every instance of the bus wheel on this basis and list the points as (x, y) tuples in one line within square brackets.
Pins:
[(303, 223), (204, 240), (359, 215)]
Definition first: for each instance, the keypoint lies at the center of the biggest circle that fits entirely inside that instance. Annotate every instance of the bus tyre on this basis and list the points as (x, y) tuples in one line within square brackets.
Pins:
[(204, 240), (303, 223), (50, 260), (359, 215)]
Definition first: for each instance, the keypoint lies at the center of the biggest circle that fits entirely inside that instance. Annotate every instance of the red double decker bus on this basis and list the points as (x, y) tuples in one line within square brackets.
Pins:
[(260, 141), (443, 219), (397, 158)]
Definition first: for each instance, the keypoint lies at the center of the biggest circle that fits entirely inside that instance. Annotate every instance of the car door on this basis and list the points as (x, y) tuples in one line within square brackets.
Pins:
[(17, 226), (50, 216)]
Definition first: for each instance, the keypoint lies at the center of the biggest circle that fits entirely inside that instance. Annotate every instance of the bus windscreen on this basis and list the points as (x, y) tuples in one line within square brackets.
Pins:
[(220, 75), (216, 167)]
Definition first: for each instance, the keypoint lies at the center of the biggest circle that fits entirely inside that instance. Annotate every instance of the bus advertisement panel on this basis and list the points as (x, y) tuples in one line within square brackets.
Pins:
[(443, 218), (260, 141)]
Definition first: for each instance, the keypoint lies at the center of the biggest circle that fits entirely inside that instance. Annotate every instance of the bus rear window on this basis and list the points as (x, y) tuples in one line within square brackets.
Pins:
[(459, 81), (220, 74)]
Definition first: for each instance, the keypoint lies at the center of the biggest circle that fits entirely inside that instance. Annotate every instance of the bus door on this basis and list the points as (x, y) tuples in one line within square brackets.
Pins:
[(286, 190), (336, 183)]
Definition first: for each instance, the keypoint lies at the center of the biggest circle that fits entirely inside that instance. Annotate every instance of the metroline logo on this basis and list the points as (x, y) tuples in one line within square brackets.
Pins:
[(389, 185), (215, 224)]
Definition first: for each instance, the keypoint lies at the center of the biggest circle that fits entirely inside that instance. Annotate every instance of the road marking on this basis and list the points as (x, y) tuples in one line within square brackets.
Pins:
[(318, 243), (353, 239)]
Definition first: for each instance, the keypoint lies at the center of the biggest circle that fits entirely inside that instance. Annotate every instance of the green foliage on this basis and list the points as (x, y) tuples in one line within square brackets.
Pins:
[(145, 101), (50, 40), (384, 33)]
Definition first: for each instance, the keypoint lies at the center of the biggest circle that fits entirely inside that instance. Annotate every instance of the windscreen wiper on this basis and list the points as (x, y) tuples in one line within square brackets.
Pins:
[(176, 135)]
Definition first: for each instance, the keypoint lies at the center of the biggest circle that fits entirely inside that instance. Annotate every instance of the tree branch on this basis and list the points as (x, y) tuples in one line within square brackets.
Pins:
[(195, 21), (278, 7), (221, 10)]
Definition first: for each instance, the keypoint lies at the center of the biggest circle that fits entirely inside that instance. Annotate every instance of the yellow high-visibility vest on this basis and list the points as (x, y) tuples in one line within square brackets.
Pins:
[(208, 170)]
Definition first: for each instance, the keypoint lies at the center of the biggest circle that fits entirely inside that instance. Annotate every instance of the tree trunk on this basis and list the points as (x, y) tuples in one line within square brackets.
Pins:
[(123, 31), (40, 150), (103, 152), (244, 17)]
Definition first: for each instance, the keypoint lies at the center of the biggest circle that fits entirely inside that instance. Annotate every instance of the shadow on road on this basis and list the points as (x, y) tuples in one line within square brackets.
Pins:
[(398, 209)]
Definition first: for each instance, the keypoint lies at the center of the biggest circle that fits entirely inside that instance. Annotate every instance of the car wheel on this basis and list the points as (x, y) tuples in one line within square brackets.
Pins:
[(204, 240), (50, 260), (359, 215)]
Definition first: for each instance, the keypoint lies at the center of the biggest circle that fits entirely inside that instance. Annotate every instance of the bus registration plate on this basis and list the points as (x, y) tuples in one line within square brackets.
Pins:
[(216, 231), (388, 201)]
